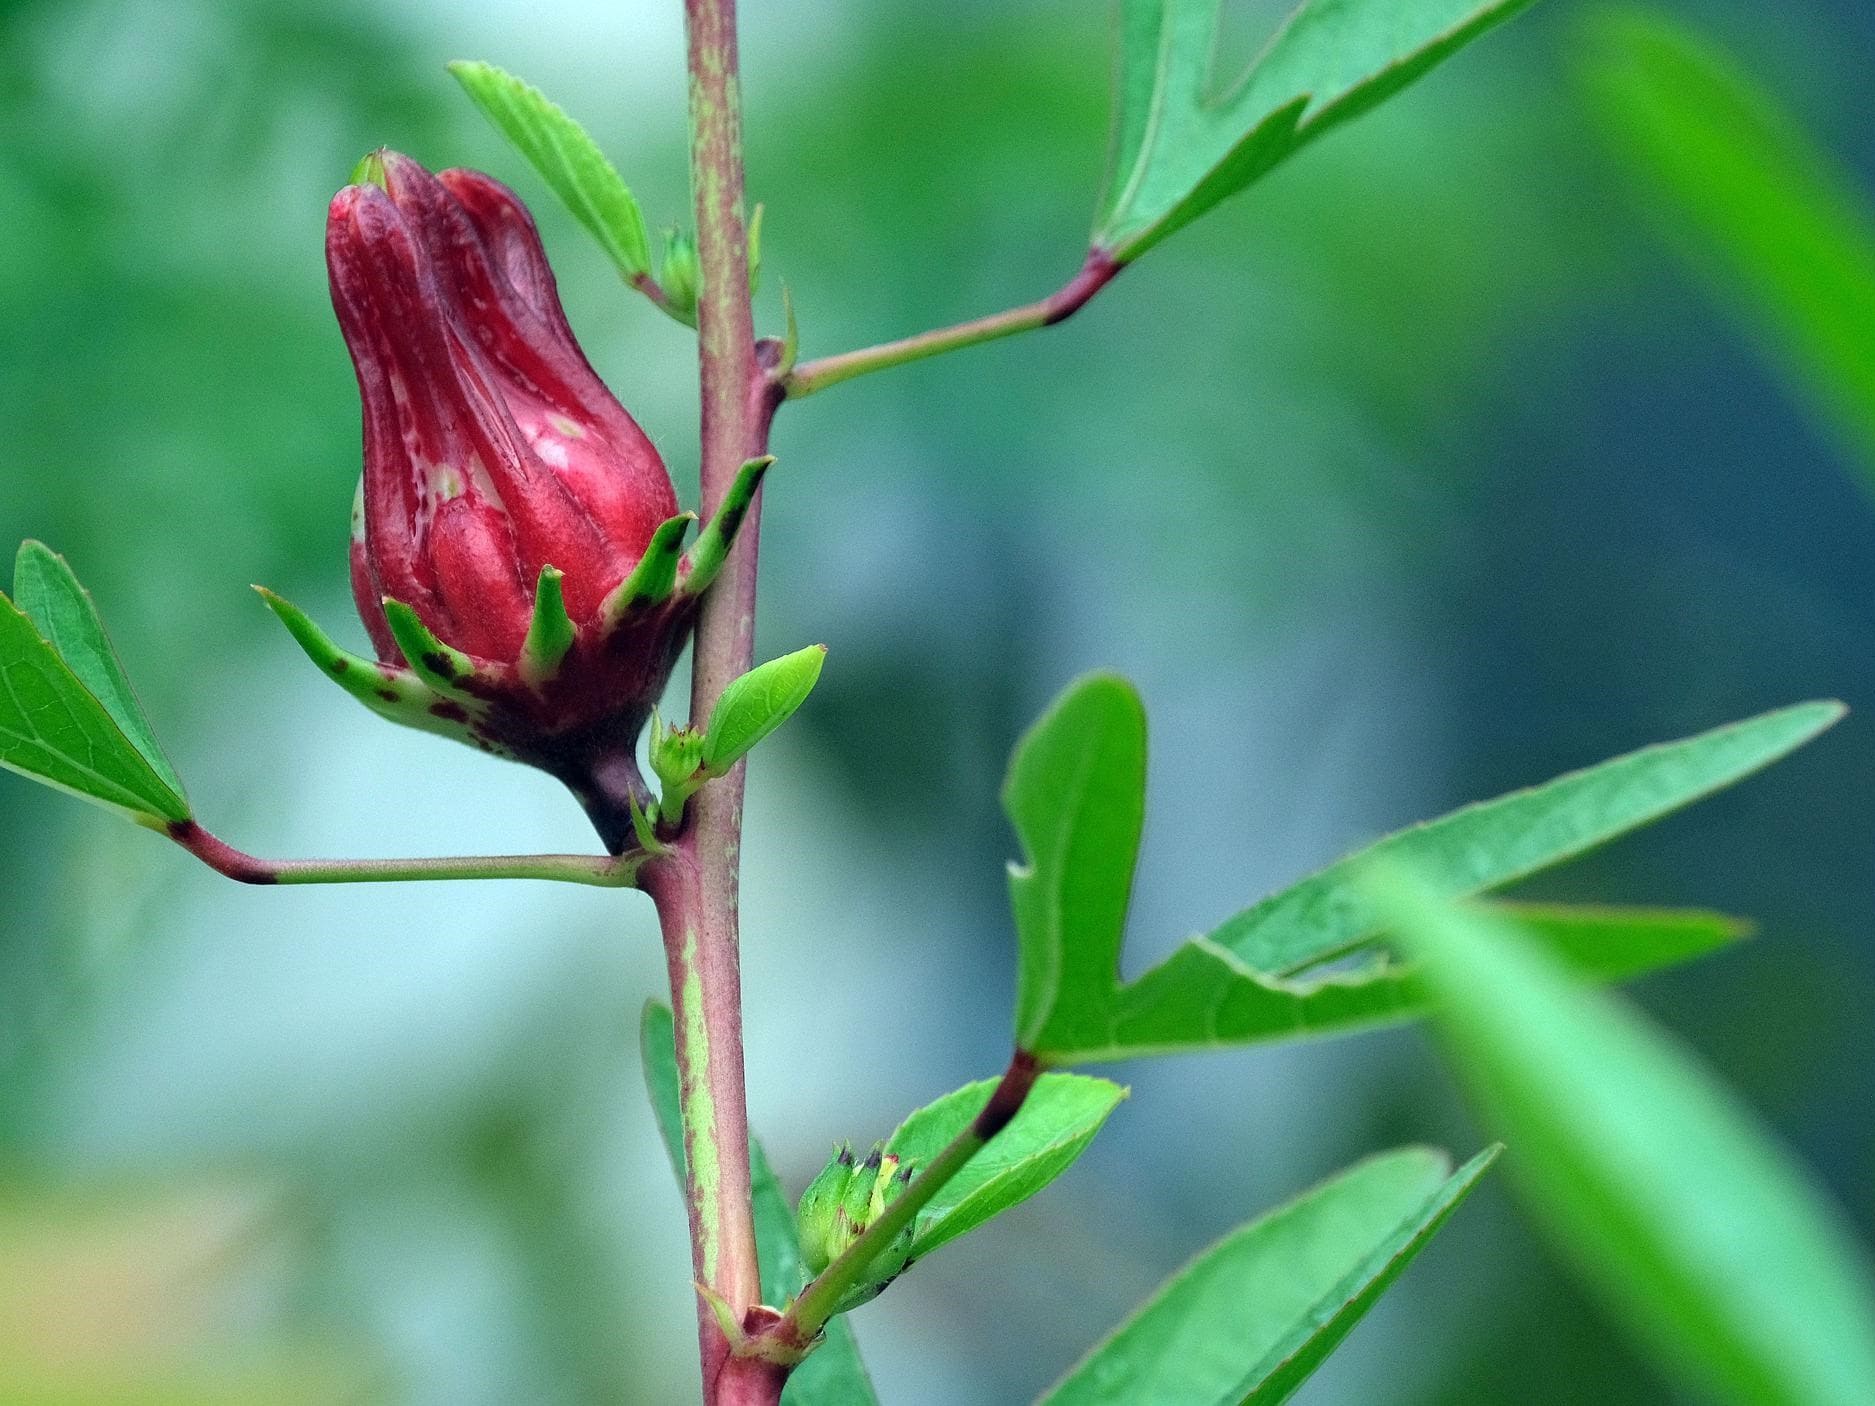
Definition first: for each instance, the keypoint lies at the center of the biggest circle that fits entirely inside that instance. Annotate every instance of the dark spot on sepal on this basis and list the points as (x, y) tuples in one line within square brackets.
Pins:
[(455, 713), (439, 663), (389, 695)]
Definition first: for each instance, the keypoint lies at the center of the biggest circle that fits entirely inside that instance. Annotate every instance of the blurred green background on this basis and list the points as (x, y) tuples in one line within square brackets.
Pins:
[(1420, 473)]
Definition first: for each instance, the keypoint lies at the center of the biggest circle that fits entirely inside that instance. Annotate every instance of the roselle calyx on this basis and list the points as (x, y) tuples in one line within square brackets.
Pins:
[(517, 553)]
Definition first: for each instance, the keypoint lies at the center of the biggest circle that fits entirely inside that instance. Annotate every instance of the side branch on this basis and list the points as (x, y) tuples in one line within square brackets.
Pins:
[(599, 871), (1096, 273), (794, 1334)]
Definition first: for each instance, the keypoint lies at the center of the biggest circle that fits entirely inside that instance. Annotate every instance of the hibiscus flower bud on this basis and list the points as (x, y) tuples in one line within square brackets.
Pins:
[(516, 546)]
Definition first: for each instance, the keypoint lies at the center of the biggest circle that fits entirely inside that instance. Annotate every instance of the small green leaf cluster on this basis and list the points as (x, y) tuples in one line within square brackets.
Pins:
[(841, 1202), (754, 705)]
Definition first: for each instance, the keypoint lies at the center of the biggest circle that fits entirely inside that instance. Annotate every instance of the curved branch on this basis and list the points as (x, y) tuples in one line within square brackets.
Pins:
[(1096, 273), (600, 871)]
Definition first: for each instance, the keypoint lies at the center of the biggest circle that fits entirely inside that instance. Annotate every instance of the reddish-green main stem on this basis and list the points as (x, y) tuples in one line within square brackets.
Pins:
[(696, 886)]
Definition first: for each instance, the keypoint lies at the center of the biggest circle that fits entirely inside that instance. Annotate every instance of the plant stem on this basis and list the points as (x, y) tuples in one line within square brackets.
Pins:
[(1096, 273), (695, 886), (818, 1302), (600, 871)]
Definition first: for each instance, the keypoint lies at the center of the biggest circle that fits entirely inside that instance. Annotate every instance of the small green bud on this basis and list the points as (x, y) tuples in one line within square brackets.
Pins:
[(819, 1209), (676, 754), (682, 274), (839, 1205)]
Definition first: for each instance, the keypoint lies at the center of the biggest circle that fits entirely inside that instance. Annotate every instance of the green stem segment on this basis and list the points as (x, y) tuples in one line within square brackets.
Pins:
[(599, 871), (1099, 270), (695, 884), (795, 1333)]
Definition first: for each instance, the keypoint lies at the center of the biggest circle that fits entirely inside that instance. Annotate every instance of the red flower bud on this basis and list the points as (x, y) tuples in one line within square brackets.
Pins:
[(492, 449), (515, 545)]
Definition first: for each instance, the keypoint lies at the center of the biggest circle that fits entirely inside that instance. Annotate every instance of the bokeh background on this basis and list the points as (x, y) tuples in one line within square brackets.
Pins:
[(1421, 473)]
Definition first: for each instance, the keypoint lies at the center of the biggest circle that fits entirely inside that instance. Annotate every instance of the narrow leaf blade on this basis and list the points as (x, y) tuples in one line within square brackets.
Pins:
[(1771, 220), (832, 1375), (1203, 996), (1057, 1121), (566, 157), (54, 730), (1250, 1318), (1496, 842), (1677, 1207)]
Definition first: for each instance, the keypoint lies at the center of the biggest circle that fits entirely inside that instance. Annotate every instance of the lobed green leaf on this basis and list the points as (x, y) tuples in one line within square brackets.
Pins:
[(1076, 795), (1054, 1126), (1184, 140), (1705, 1237), (566, 157), (832, 1375), (1248, 1320)]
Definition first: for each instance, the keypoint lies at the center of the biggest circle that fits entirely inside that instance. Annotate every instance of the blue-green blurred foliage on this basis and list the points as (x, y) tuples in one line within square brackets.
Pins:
[(1418, 474)]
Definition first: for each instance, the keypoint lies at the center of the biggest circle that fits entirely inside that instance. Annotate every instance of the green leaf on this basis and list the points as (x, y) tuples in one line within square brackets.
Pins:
[(1497, 842), (1772, 221), (832, 1375), (1702, 1233), (443, 667), (54, 730), (1056, 1122), (1204, 996), (757, 703), (1250, 1318), (67, 619), (1076, 794), (1183, 139), (567, 158)]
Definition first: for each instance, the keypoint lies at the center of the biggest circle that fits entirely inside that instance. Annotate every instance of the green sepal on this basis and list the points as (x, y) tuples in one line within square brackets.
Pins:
[(370, 170), (680, 275), (705, 559), (550, 634), (393, 693), (655, 576), (441, 666)]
